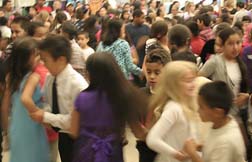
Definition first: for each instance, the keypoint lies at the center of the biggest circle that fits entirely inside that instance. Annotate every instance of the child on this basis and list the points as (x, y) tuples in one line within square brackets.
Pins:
[(204, 23), (101, 139), (154, 63), (61, 89), (228, 67), (174, 106), (224, 142), (83, 38), (37, 30), (23, 131)]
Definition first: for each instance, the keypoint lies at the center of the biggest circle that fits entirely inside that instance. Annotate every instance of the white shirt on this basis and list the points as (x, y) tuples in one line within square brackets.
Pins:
[(87, 52), (24, 3), (53, 13), (239, 15), (77, 53), (69, 84), (234, 74), (6, 31), (224, 144), (168, 135)]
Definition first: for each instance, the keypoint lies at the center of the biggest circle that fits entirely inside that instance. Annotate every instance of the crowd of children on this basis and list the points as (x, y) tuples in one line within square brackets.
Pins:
[(72, 79)]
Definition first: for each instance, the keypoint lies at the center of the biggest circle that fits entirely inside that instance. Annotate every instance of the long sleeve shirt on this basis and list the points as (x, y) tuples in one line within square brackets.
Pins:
[(69, 84), (168, 135), (120, 49)]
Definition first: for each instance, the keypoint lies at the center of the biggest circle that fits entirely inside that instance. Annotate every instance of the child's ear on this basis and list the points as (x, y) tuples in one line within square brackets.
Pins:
[(62, 59), (219, 112)]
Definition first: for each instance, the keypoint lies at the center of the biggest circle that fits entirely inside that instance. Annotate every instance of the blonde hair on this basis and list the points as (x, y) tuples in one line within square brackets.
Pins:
[(169, 88), (188, 5), (43, 16)]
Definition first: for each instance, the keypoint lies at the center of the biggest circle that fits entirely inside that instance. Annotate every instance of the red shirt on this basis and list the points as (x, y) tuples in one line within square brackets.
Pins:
[(197, 44), (207, 34), (43, 8), (42, 71)]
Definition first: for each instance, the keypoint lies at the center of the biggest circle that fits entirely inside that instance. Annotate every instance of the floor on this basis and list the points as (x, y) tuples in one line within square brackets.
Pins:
[(130, 152)]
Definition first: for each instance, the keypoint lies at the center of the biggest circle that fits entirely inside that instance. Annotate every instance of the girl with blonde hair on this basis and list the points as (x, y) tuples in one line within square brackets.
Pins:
[(175, 111)]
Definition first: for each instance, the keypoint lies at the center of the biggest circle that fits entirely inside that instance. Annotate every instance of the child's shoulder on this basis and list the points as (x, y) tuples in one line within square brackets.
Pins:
[(173, 106)]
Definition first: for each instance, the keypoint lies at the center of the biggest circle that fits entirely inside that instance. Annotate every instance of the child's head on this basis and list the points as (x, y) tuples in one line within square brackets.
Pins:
[(176, 83), (184, 56), (194, 28), (231, 42), (83, 38), (102, 68), (155, 61), (55, 51), (177, 80), (159, 29), (37, 30), (203, 20), (179, 37), (138, 17), (23, 59), (125, 15), (215, 100), (183, 74), (68, 30), (19, 27)]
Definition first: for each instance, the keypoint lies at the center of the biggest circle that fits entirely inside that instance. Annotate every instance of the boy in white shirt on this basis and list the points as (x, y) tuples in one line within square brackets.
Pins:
[(62, 86), (225, 142), (83, 39)]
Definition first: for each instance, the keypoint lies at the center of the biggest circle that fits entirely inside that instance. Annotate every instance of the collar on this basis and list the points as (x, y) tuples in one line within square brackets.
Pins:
[(64, 73)]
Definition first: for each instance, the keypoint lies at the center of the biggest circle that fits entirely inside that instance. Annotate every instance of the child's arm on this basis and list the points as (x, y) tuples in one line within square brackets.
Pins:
[(26, 97), (191, 148), (5, 107), (139, 130), (75, 124), (155, 137)]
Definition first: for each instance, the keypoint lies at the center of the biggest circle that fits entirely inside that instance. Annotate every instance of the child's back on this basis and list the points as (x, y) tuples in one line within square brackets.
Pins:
[(226, 142)]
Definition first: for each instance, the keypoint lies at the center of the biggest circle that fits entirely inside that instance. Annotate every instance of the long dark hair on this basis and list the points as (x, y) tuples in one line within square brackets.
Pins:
[(113, 31), (105, 76), (224, 35), (19, 61)]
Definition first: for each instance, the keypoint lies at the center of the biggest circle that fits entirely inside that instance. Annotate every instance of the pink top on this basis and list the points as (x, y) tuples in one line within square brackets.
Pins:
[(42, 71)]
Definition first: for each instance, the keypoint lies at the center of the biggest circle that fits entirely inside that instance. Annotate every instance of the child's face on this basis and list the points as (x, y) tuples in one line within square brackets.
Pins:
[(187, 84), (17, 31), (232, 46), (34, 59), (218, 45), (126, 15), (2, 14), (50, 63), (32, 12), (204, 110), (153, 71), (82, 40), (40, 33)]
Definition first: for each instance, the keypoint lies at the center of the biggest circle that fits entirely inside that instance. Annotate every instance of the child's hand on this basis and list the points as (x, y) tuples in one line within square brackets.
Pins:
[(142, 76), (5, 142), (139, 130), (241, 99), (190, 146), (37, 115), (181, 156)]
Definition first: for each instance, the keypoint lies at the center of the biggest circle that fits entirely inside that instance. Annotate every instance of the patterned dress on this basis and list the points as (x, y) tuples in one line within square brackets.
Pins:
[(120, 49)]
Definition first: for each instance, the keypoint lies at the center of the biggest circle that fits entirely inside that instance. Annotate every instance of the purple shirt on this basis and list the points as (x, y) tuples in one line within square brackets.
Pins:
[(98, 138), (247, 58)]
